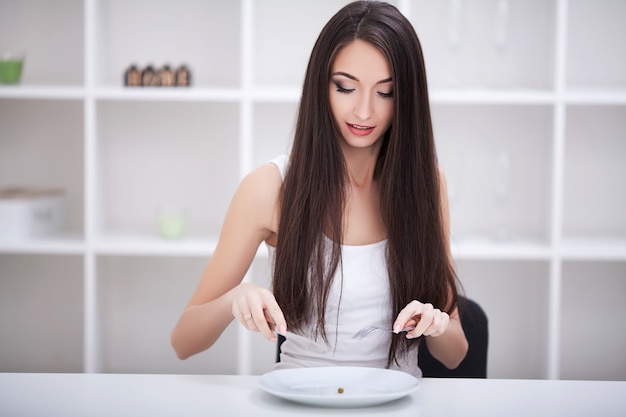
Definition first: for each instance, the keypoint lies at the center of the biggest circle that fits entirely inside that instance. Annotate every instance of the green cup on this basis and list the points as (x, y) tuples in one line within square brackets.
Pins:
[(11, 68), (172, 223)]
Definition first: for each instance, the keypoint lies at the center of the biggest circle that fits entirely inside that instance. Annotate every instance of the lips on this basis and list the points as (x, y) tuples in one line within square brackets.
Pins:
[(360, 130)]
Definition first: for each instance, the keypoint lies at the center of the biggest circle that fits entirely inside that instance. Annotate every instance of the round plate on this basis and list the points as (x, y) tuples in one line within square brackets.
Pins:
[(339, 386)]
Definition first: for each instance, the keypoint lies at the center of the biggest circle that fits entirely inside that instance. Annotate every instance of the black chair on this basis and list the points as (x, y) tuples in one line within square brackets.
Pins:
[(281, 339), (475, 325)]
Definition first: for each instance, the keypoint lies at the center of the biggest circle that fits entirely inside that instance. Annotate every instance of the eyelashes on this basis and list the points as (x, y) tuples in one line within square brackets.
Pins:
[(341, 89)]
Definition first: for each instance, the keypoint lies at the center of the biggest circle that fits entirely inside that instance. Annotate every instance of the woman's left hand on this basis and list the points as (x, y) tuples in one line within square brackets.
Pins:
[(428, 321)]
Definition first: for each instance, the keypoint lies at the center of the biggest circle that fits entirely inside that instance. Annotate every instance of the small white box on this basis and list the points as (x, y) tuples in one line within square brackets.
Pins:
[(27, 212)]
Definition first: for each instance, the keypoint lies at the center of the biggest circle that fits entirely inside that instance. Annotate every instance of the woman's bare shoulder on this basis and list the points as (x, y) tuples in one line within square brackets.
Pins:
[(263, 180), (258, 194)]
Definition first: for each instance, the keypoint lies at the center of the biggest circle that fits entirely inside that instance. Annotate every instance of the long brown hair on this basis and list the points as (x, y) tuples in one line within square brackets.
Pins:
[(314, 189)]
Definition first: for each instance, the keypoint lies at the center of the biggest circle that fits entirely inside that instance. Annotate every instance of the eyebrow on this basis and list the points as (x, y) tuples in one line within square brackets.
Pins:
[(352, 77)]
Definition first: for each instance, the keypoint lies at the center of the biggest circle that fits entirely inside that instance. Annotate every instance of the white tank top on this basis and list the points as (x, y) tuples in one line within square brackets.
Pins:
[(359, 297)]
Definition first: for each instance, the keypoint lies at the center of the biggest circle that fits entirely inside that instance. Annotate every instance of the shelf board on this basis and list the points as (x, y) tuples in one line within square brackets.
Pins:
[(591, 249), (486, 249), (573, 249), (595, 96), (54, 245), (168, 94), (277, 94), (280, 94), (39, 92), (149, 245), (152, 245), (487, 96)]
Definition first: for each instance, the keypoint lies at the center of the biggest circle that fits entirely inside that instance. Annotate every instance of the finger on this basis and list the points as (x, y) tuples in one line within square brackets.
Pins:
[(445, 322), (274, 315), (247, 320), (237, 311), (435, 325), (269, 320), (426, 319), (260, 313), (440, 325), (413, 309), (262, 325), (241, 310)]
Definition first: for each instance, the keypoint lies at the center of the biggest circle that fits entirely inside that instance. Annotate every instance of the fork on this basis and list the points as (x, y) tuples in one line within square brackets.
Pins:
[(365, 331)]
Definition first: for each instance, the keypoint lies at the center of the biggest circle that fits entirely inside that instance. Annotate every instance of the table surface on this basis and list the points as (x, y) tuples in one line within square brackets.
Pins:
[(94, 395)]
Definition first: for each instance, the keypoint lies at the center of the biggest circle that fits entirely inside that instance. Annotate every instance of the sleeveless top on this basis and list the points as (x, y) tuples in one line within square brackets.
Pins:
[(359, 297)]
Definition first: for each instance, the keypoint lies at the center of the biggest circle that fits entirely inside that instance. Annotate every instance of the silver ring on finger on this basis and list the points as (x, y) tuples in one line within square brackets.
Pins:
[(247, 317)]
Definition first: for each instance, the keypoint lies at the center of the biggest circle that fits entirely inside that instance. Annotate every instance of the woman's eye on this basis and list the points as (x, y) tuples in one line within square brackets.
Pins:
[(341, 89), (386, 95)]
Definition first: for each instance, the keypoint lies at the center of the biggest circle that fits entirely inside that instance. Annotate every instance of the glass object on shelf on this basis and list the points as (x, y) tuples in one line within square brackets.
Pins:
[(172, 222), (150, 76), (183, 76), (502, 190), (455, 14), (132, 76), (11, 65)]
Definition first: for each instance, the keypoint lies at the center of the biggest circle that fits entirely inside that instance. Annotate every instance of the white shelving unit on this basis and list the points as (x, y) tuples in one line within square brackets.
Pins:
[(529, 110)]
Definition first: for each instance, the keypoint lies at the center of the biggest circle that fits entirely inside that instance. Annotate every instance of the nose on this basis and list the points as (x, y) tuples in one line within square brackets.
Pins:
[(363, 107)]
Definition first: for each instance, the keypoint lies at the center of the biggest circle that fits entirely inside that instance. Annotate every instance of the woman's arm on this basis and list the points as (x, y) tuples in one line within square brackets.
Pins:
[(220, 296), (442, 331), (451, 347)]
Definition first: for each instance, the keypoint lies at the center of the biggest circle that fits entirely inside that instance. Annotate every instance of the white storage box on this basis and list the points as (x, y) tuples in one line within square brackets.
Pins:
[(30, 212)]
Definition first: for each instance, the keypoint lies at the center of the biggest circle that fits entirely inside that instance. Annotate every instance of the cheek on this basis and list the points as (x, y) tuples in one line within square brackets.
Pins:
[(387, 113), (337, 107)]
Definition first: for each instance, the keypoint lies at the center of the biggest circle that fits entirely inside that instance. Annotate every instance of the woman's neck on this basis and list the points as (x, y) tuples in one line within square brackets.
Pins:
[(361, 164)]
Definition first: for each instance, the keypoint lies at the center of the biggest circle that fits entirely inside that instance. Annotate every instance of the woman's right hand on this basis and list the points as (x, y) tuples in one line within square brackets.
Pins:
[(256, 309)]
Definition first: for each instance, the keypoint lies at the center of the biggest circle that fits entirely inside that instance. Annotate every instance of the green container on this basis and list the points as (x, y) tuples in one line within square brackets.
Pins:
[(172, 224), (10, 71)]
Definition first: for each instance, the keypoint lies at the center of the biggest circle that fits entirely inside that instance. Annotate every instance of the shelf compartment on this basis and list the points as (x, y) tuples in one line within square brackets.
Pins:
[(166, 155), (594, 196), (137, 319), (37, 150), (284, 35), (593, 308), (515, 298), (460, 42), (204, 35), (274, 127), (41, 313), (596, 57), (50, 34), (497, 162)]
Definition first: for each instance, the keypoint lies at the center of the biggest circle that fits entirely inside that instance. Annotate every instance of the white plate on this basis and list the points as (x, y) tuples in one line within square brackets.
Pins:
[(320, 386)]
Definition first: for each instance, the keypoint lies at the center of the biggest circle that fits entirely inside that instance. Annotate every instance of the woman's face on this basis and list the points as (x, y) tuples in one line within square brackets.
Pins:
[(361, 94)]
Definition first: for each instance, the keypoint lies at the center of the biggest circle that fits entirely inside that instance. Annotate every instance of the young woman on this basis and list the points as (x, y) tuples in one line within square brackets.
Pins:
[(356, 217)]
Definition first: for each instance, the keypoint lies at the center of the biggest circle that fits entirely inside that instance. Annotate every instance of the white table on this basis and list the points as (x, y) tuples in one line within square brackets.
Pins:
[(94, 395)]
